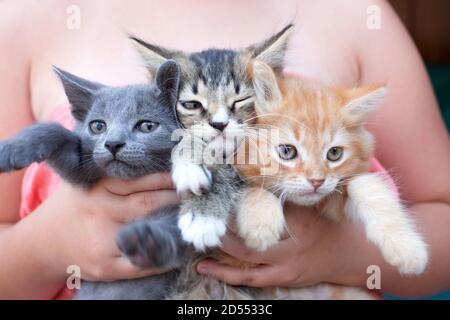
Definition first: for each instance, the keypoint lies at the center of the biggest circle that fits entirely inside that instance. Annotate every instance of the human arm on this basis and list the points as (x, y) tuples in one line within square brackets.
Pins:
[(77, 227)]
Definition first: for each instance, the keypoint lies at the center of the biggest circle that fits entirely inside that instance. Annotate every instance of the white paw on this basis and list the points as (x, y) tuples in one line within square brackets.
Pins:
[(262, 234), (190, 177), (201, 231), (409, 255)]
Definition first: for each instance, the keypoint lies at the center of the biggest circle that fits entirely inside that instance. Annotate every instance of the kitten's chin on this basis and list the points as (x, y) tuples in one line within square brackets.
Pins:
[(121, 170), (224, 145), (305, 199)]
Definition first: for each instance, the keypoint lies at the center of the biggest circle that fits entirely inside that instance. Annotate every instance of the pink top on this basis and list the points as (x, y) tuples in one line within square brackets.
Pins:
[(39, 181)]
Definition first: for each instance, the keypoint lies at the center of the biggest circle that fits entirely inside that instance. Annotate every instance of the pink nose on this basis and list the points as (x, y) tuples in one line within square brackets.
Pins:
[(316, 183)]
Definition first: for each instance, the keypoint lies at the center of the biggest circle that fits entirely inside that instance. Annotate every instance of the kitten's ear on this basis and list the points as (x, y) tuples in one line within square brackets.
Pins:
[(267, 92), (272, 51), (152, 55), (363, 102), (168, 80), (79, 91)]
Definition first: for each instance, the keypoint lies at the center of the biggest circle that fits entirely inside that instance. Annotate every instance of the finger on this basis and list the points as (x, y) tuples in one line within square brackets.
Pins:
[(123, 269), (156, 181), (141, 204), (259, 276), (235, 247)]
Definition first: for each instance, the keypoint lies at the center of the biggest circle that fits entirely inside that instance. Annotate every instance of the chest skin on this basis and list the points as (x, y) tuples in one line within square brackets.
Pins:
[(309, 53)]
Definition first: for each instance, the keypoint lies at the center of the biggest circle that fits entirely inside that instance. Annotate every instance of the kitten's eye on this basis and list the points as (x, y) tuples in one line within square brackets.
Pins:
[(192, 105), (97, 126), (146, 126), (287, 151), (335, 153), (241, 102)]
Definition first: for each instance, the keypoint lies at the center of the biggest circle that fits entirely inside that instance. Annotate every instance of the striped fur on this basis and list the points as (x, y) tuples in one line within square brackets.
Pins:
[(219, 79)]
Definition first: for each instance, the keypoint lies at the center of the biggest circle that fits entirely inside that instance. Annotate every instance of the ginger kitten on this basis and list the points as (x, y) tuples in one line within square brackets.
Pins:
[(317, 154)]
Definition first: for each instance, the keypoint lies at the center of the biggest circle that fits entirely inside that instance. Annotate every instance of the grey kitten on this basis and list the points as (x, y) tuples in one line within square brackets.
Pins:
[(123, 132), (120, 132), (216, 107)]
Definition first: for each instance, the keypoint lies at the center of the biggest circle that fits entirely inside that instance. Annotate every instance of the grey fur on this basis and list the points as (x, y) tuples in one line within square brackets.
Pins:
[(221, 199), (154, 241), (82, 157), (148, 288), (217, 69), (221, 78)]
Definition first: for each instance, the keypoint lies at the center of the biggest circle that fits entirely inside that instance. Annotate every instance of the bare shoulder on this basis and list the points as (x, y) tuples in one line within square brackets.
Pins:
[(79, 36), (364, 42), (412, 140), (15, 109)]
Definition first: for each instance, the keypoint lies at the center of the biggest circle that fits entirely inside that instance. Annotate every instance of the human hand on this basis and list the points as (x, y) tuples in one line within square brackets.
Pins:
[(85, 223), (315, 249)]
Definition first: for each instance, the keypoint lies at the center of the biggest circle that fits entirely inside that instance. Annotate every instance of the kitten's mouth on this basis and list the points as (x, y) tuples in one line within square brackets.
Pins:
[(120, 169), (308, 198), (219, 136), (117, 162), (311, 193)]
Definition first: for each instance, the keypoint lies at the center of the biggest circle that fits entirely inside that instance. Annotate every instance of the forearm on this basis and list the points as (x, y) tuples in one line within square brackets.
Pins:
[(27, 269), (433, 221)]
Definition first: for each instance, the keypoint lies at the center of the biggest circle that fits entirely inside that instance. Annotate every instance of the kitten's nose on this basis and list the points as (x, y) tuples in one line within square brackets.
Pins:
[(114, 146), (219, 125), (316, 183)]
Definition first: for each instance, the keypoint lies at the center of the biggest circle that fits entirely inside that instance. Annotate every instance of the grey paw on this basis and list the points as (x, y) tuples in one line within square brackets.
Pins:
[(146, 246), (16, 158), (8, 160)]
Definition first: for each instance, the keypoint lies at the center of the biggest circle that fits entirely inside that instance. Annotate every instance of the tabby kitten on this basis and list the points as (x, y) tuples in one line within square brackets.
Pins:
[(215, 106)]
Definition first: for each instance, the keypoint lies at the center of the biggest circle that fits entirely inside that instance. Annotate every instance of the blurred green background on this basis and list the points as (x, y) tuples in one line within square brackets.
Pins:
[(440, 76)]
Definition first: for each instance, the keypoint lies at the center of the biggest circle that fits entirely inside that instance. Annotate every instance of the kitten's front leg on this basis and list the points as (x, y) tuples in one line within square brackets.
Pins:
[(154, 241), (260, 218), (34, 144), (203, 219), (189, 173), (386, 223), (190, 177)]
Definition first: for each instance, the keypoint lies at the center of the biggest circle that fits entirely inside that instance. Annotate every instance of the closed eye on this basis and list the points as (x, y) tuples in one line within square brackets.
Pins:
[(241, 102)]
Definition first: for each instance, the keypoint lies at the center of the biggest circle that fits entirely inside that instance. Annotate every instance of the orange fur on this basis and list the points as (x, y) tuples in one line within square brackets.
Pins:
[(310, 115), (314, 119), (307, 111)]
